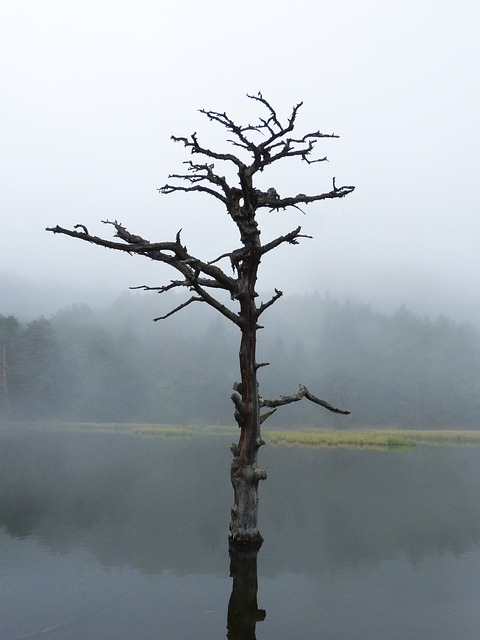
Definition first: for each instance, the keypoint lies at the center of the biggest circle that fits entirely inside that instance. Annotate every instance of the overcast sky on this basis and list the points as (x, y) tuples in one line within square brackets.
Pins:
[(93, 89)]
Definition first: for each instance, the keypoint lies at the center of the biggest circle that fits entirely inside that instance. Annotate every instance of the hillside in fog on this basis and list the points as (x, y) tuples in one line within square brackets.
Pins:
[(112, 363)]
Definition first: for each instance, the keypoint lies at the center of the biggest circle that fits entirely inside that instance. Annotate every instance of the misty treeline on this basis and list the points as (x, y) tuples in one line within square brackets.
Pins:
[(116, 365)]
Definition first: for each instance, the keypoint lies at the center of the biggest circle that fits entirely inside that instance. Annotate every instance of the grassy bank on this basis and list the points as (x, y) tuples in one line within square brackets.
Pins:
[(164, 430), (367, 438), (391, 439), (444, 436)]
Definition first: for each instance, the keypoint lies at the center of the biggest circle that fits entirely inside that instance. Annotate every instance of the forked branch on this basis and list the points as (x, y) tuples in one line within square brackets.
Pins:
[(290, 238), (275, 202), (303, 392), (198, 275), (265, 305)]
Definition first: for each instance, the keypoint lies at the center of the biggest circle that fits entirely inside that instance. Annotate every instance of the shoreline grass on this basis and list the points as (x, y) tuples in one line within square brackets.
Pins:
[(444, 437), (128, 428), (386, 439), (352, 439), (377, 439)]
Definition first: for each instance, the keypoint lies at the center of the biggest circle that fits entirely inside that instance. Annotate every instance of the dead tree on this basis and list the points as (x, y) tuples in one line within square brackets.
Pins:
[(263, 144)]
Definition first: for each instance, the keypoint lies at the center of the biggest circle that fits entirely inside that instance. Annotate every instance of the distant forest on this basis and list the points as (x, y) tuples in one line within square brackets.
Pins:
[(116, 365)]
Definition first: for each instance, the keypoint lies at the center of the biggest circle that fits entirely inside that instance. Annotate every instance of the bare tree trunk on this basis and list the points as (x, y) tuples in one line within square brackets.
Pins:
[(244, 474)]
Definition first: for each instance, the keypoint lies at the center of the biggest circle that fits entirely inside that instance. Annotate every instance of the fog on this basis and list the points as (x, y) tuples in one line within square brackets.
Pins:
[(92, 91), (115, 365)]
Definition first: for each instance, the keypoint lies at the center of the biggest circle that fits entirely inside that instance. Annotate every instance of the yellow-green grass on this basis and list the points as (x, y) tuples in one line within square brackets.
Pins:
[(386, 439), (165, 430), (162, 430), (367, 439), (221, 430), (142, 429), (444, 436)]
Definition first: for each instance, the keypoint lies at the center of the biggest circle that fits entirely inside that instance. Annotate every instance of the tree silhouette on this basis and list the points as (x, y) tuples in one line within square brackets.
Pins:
[(264, 144)]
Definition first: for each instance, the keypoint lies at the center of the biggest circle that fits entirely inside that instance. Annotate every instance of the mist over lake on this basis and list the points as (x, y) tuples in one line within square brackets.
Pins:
[(113, 364), (113, 535)]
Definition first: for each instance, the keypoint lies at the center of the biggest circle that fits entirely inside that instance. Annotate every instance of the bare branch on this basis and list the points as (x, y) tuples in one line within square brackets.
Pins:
[(273, 116), (303, 392), (301, 198), (196, 285), (194, 146), (172, 253), (308, 161), (224, 255), (216, 304), (123, 234), (179, 308), (169, 188), (265, 305), (236, 257), (137, 247), (291, 238), (273, 120), (237, 130), (93, 239), (81, 226), (173, 284), (303, 147), (200, 173), (266, 415), (178, 257)]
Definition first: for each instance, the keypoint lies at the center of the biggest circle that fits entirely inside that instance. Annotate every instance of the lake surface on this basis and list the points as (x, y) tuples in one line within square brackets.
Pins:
[(116, 536)]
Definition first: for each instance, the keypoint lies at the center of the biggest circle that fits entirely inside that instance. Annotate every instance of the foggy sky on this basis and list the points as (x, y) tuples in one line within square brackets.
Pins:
[(92, 91)]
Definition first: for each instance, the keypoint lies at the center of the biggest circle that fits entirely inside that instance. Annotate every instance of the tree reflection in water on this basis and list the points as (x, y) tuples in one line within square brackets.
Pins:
[(243, 612), (99, 531)]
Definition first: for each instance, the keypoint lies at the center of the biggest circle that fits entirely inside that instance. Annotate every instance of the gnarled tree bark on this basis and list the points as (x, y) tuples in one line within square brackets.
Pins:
[(204, 278)]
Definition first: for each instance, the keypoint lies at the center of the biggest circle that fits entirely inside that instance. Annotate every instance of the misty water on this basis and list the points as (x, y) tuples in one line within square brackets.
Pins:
[(108, 535)]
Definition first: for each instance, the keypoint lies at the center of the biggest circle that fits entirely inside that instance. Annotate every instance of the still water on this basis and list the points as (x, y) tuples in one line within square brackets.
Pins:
[(115, 536)]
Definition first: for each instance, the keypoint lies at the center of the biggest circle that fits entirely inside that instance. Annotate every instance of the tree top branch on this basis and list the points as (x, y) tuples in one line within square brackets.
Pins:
[(276, 145), (195, 147)]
